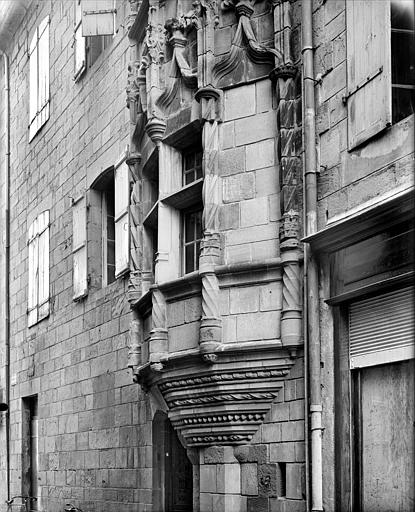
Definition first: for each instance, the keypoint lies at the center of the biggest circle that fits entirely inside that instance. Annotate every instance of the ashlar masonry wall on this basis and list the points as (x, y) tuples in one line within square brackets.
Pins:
[(75, 360)]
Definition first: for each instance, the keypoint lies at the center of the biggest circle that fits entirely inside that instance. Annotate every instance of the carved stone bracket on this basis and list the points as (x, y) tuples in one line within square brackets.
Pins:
[(244, 40), (155, 129), (219, 405)]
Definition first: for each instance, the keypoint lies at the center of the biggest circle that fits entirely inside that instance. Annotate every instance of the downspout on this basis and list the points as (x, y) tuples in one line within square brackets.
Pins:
[(310, 264), (6, 234)]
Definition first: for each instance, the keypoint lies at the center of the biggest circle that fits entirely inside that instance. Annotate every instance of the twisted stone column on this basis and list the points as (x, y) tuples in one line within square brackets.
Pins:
[(158, 333)]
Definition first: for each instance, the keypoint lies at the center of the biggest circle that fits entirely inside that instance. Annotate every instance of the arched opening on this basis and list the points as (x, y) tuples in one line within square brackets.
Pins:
[(172, 470)]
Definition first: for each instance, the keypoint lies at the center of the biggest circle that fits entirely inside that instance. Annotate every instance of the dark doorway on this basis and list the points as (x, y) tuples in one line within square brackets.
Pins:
[(172, 470)]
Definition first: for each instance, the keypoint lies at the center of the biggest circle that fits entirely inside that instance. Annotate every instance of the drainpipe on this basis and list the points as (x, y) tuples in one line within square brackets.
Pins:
[(6, 234), (310, 264)]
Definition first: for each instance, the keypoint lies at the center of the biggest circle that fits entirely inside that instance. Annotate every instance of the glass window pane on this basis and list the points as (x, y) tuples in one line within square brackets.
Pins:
[(198, 221), (189, 259), (189, 227), (402, 103), (402, 14), (403, 67)]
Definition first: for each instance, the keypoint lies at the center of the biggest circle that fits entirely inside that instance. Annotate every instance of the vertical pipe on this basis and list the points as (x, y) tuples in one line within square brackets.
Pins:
[(5, 299), (313, 318)]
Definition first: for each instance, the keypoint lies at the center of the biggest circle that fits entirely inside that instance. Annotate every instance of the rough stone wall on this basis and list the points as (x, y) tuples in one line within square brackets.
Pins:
[(346, 181), (76, 359)]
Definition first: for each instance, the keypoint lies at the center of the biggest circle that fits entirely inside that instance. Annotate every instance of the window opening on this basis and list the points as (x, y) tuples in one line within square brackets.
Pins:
[(108, 233), (30, 451), (403, 66), (193, 234), (192, 166)]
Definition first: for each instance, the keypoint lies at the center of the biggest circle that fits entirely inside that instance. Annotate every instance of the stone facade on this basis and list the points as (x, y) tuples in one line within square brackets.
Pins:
[(171, 367)]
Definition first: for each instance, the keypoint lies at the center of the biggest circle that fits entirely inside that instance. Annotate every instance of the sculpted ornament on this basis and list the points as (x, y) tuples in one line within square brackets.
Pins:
[(244, 37)]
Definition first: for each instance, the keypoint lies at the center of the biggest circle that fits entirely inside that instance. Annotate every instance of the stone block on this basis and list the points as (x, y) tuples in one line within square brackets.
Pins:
[(292, 431), (252, 234), (294, 478), (264, 250), (235, 502), (333, 82), (229, 329), (260, 155), (257, 504), (297, 410), (244, 299), (270, 296), (239, 102), (260, 127), (238, 253), (184, 337), (208, 478), (249, 479), (175, 313), (238, 188), (258, 326), (264, 93), (270, 432), (254, 212), (266, 182), (229, 478), (270, 480), (232, 161), (192, 309), (283, 452), (214, 455), (229, 216), (228, 135), (206, 502)]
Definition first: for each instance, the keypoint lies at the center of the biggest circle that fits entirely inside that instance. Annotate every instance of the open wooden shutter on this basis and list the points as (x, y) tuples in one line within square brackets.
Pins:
[(43, 93), (98, 17), (33, 91), (381, 329), (32, 273), (79, 248), (79, 43), (369, 93), (122, 222), (43, 244)]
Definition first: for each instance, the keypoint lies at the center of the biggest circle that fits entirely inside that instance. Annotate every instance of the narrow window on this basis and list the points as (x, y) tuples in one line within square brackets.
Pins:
[(108, 234), (192, 221), (403, 67)]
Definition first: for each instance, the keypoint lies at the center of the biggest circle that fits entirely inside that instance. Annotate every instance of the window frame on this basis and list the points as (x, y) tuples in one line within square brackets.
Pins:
[(38, 269), (196, 209)]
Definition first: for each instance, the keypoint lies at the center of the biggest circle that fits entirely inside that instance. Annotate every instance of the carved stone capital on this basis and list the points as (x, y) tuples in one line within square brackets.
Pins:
[(283, 71), (155, 129), (289, 229)]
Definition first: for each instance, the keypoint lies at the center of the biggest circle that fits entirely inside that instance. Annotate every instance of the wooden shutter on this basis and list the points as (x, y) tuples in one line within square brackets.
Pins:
[(122, 223), (381, 329), (369, 93), (79, 43), (43, 67), (43, 263), (33, 90), (79, 248), (97, 17), (32, 273)]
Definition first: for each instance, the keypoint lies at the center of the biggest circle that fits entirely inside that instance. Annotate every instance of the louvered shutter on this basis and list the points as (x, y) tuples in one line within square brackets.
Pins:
[(43, 263), (79, 248), (97, 17), (43, 93), (32, 273), (381, 329), (122, 225), (79, 43), (33, 91), (369, 93)]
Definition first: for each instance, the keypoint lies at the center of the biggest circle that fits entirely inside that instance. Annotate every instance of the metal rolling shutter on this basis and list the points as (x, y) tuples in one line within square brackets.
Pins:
[(381, 329)]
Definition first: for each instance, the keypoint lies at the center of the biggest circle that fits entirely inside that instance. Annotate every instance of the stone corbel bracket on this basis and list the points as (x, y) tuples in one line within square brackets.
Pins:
[(244, 40), (224, 403), (179, 69)]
